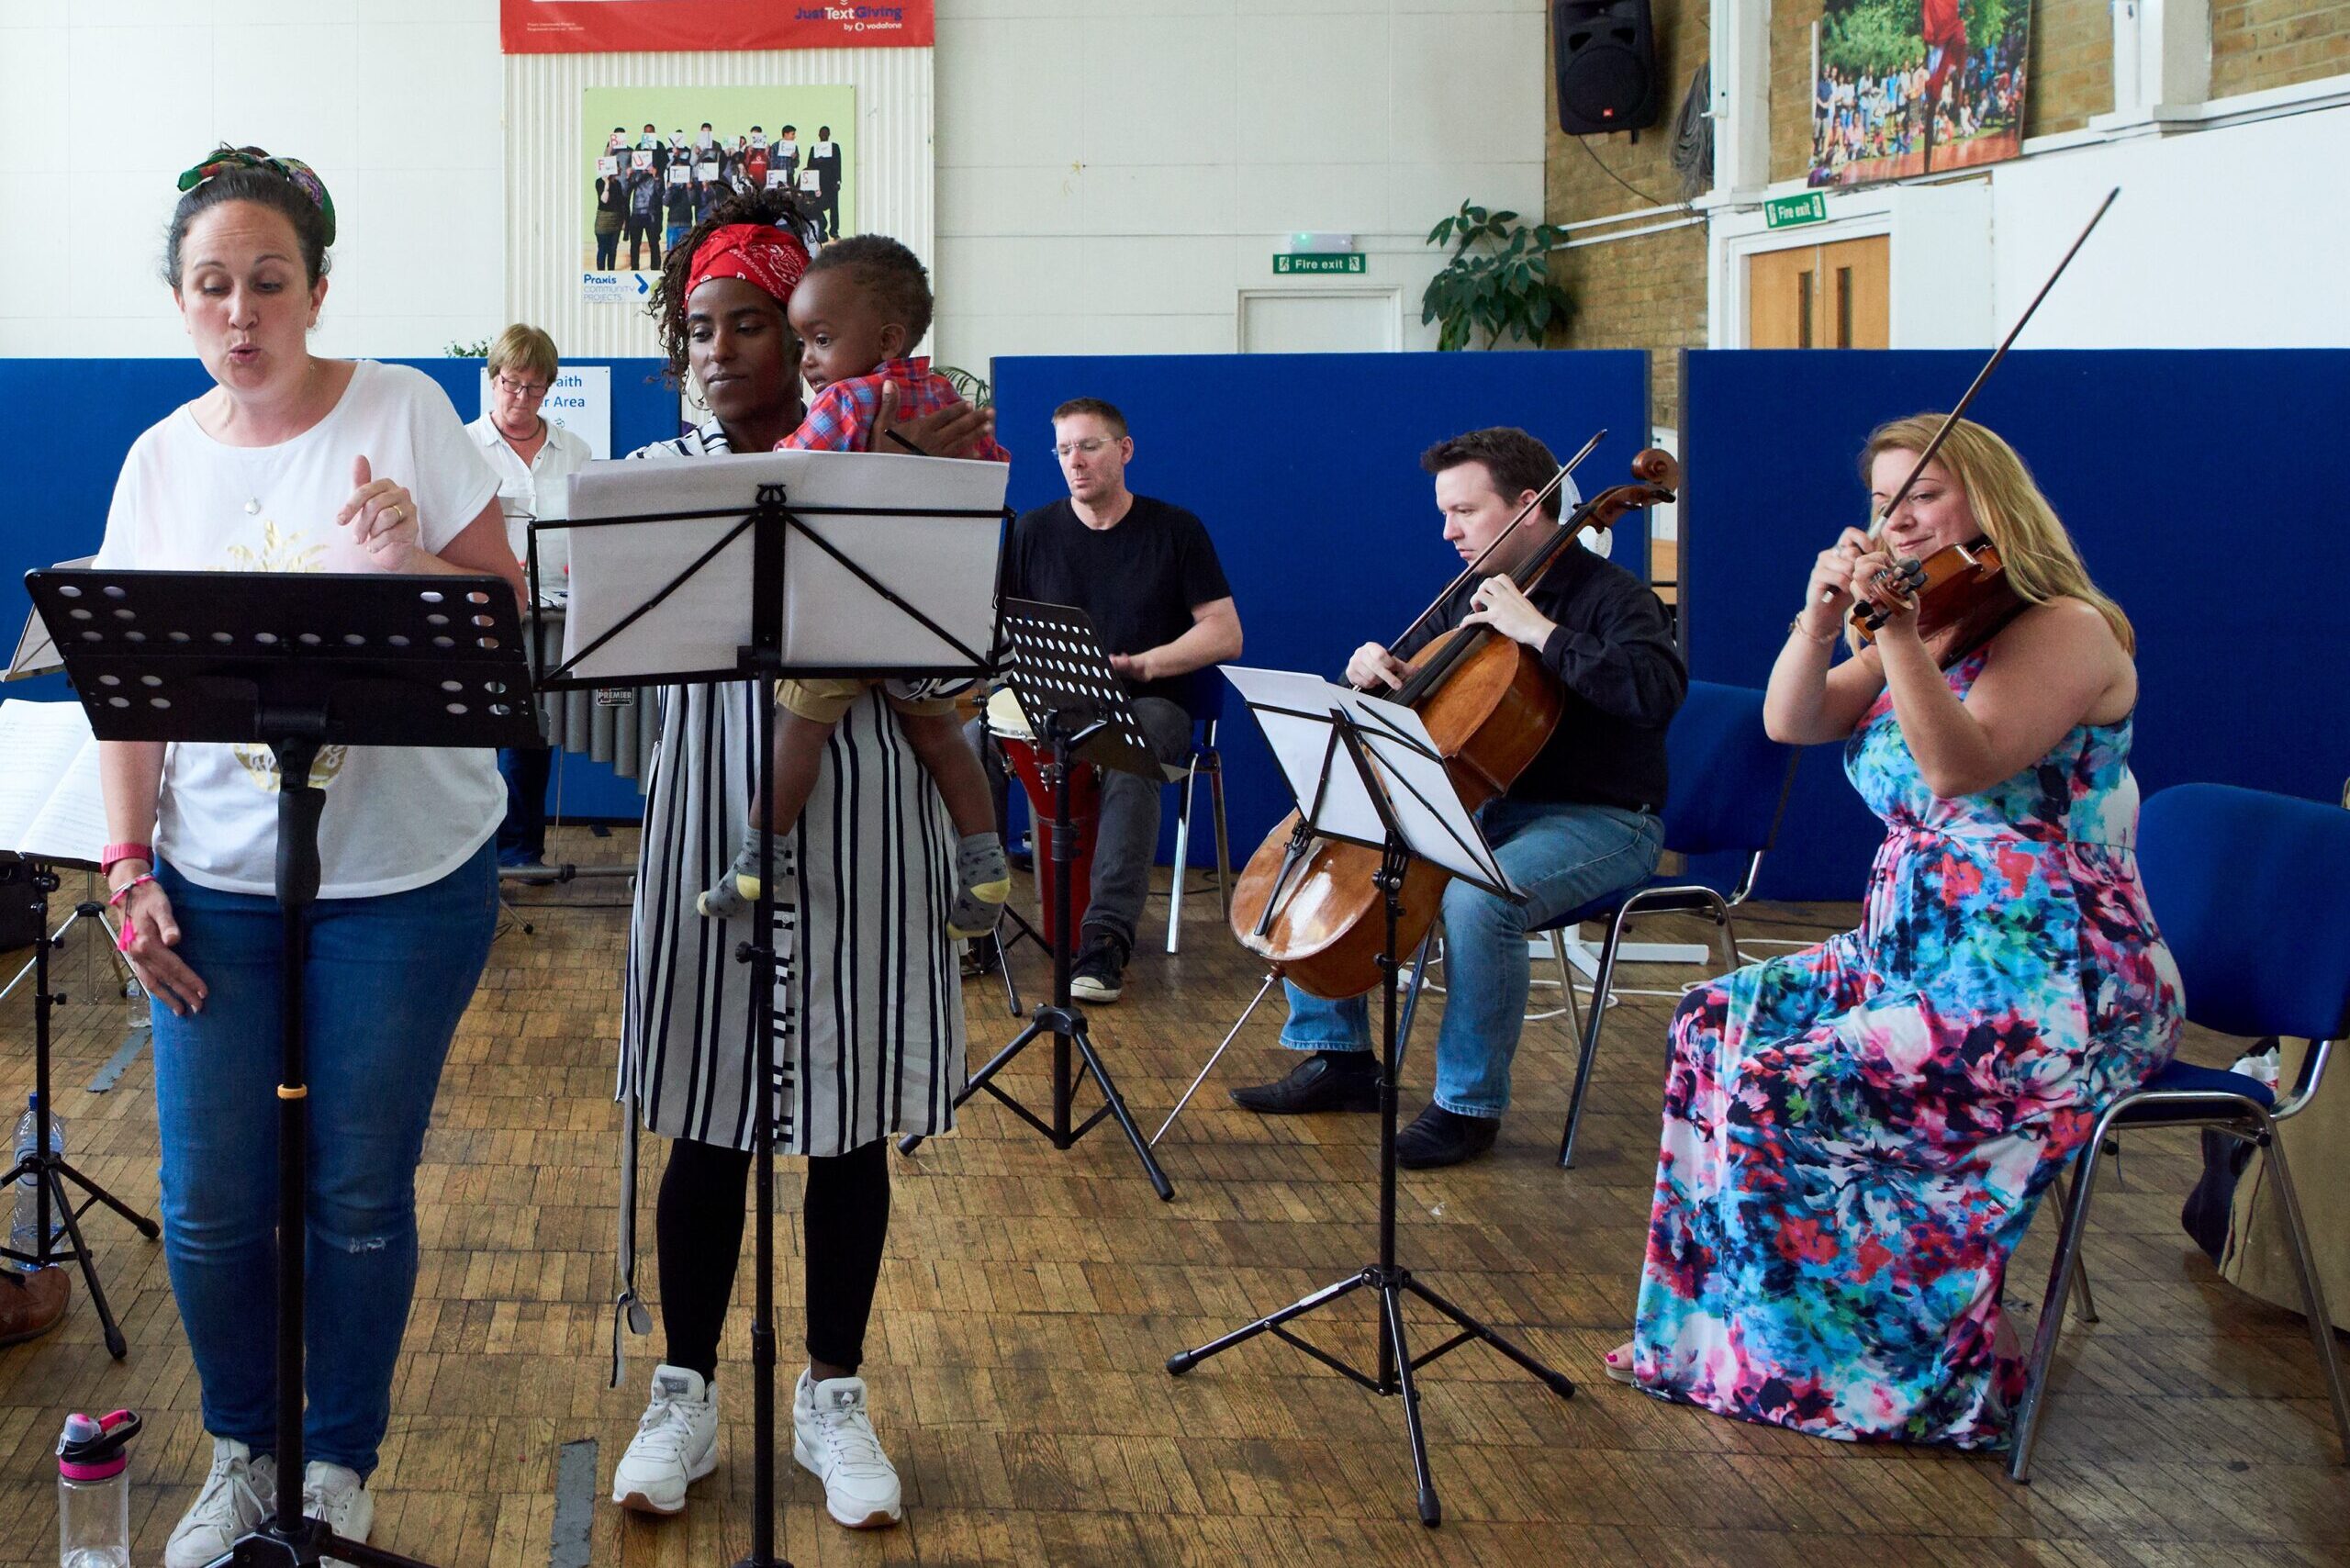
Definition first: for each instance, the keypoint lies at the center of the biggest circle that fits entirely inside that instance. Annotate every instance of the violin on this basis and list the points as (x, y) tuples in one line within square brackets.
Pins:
[(1307, 905), (1964, 586)]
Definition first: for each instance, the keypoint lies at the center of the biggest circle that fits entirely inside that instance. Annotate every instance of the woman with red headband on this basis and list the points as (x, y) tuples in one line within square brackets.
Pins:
[(874, 1046)]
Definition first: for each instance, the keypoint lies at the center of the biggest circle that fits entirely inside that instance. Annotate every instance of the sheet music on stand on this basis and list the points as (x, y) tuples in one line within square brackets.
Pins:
[(661, 555), (1054, 664), (36, 651), (1300, 715)]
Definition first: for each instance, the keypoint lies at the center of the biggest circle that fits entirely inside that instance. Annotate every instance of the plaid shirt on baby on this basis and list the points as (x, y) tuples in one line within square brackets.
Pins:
[(843, 413)]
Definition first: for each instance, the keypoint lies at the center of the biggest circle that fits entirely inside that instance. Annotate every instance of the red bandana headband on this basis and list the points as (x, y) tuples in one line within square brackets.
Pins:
[(759, 253)]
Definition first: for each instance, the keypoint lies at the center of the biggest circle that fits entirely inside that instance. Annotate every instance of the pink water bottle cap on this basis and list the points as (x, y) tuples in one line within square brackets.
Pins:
[(96, 1449)]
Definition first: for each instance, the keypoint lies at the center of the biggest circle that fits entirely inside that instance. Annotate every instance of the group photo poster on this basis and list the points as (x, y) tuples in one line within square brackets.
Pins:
[(656, 160), (1903, 87), (600, 27)]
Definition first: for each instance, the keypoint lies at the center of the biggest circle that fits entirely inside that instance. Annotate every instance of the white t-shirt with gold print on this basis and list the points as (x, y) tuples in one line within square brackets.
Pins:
[(395, 818)]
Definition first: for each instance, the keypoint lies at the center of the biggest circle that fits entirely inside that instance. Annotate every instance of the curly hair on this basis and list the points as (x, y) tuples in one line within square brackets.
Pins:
[(889, 273), (782, 208)]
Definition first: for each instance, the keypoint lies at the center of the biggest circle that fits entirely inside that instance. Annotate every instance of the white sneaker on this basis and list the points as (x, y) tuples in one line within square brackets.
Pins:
[(676, 1444), (238, 1491), (833, 1439), (335, 1493)]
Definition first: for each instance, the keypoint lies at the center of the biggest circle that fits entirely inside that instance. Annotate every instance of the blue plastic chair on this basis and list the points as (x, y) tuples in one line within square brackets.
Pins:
[(2249, 890), (1728, 784)]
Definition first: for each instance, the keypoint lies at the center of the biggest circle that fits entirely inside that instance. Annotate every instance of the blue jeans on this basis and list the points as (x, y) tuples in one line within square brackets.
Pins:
[(1561, 856), (388, 978), (523, 836)]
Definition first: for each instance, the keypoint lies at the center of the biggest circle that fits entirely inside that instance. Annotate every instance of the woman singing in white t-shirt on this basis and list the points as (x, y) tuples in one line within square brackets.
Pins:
[(293, 463)]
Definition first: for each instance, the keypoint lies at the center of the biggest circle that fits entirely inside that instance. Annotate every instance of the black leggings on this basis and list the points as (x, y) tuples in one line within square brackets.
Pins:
[(699, 1239)]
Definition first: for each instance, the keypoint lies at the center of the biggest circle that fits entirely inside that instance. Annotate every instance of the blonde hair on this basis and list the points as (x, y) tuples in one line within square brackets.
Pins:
[(2041, 561), (523, 348)]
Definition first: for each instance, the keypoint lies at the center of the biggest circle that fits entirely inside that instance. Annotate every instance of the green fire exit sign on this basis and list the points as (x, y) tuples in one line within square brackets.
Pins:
[(1785, 212), (1289, 261)]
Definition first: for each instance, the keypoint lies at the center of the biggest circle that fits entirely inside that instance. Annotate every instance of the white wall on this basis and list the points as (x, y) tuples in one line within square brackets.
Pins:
[(395, 102), (2229, 238), (1112, 173)]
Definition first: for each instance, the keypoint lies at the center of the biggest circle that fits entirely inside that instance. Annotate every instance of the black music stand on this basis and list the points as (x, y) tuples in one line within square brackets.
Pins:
[(1075, 704), (1364, 771), (295, 662), (714, 557), (49, 1171)]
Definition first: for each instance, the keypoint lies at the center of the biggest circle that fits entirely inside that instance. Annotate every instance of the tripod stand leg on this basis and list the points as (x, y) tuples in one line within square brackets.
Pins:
[(1557, 1382), (1391, 1308), (1214, 1056), (140, 1221), (1182, 1361), (1117, 1104), (116, 1345), (979, 1080)]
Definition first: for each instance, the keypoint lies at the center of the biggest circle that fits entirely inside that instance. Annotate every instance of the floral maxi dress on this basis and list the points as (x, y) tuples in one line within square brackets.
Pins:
[(1856, 1135)]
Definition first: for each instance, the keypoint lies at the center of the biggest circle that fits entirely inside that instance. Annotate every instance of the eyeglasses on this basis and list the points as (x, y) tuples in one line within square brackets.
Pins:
[(1089, 446), (522, 389)]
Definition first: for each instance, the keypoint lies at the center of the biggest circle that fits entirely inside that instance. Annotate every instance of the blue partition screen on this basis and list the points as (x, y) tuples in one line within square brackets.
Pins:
[(54, 509), (2154, 459), (1305, 469)]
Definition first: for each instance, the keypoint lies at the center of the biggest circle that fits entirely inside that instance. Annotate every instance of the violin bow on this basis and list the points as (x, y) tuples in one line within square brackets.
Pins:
[(1949, 420), (1526, 511)]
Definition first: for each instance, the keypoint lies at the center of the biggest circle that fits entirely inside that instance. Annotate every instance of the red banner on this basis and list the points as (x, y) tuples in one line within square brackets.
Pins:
[(598, 27)]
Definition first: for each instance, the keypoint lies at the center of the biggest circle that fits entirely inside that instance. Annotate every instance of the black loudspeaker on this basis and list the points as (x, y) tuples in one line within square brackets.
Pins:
[(1605, 53)]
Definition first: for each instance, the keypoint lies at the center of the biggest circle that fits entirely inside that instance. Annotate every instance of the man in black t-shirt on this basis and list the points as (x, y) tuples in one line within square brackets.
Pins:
[(1580, 823), (1147, 575)]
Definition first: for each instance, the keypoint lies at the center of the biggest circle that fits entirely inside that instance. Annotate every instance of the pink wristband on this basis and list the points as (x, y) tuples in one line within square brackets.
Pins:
[(123, 891)]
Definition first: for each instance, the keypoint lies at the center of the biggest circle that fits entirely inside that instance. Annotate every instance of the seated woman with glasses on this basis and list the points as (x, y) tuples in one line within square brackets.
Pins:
[(533, 458)]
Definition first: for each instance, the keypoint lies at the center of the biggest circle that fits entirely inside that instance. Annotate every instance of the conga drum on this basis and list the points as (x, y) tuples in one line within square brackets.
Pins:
[(1010, 728)]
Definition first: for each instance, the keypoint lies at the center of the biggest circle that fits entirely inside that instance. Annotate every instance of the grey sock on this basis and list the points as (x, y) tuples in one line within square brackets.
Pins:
[(736, 891)]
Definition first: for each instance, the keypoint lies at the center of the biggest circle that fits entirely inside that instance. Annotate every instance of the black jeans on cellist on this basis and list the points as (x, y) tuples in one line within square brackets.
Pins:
[(699, 1241)]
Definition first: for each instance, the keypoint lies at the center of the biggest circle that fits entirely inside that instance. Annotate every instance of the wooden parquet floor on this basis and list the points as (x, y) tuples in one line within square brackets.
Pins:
[(1030, 1298)]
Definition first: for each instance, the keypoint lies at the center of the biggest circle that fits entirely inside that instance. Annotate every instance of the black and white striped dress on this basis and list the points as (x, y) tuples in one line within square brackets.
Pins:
[(869, 1020)]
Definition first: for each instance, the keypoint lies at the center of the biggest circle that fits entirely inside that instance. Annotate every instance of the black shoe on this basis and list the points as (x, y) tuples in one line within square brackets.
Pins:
[(1018, 858), (1439, 1138), (1326, 1081), (1098, 976)]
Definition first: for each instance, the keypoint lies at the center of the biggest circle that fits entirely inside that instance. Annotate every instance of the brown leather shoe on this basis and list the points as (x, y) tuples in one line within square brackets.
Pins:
[(31, 1305)]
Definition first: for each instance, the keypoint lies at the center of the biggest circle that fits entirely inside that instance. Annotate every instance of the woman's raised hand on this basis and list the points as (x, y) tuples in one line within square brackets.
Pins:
[(1828, 594), (382, 518)]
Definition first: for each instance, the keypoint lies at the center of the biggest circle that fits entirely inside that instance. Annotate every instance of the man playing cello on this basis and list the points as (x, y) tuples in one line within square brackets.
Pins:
[(1580, 821)]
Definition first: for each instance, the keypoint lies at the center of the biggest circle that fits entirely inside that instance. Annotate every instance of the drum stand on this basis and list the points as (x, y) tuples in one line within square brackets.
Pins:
[(1061, 1018)]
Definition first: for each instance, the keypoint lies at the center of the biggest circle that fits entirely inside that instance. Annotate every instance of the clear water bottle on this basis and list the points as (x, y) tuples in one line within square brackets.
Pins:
[(94, 1491), (135, 996), (24, 1234)]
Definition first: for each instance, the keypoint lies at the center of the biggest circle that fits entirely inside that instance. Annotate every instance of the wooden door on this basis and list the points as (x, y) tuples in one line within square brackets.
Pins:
[(1820, 296)]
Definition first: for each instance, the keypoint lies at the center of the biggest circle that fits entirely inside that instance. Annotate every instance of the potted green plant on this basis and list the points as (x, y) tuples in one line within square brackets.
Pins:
[(1497, 284)]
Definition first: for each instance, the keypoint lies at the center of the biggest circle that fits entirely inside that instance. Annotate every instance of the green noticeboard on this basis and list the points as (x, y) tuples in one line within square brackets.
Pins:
[(1288, 263), (1784, 212)]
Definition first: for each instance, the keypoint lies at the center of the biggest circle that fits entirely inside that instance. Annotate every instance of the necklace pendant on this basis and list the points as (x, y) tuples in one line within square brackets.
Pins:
[(252, 508)]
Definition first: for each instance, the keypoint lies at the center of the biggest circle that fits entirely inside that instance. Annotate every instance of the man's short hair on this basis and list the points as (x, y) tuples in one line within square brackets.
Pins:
[(1100, 407), (892, 274), (1517, 462)]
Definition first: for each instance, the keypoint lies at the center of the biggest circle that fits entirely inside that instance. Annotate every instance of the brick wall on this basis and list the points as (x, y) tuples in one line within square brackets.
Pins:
[(1647, 293), (2071, 73), (2273, 43)]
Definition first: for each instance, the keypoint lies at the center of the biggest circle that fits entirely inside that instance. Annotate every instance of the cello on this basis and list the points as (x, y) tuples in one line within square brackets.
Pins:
[(1307, 905)]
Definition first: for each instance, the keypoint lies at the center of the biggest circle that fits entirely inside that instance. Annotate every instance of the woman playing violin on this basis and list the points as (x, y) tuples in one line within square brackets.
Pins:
[(1579, 823), (1856, 1135)]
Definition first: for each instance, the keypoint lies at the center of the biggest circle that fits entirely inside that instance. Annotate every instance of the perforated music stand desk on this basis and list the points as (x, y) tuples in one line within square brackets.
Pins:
[(712, 572), (1076, 705), (1364, 770), (294, 662)]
